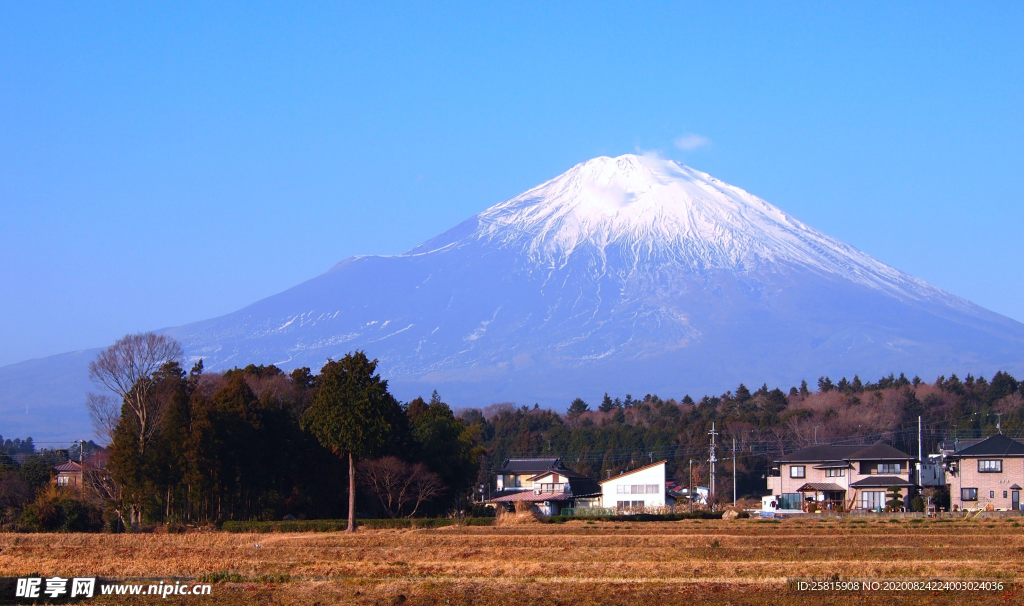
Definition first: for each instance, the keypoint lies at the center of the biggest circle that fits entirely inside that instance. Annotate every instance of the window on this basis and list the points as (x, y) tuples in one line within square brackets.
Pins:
[(995, 466), (790, 500), (636, 489), (889, 468), (1004, 494), (629, 504), (797, 471), (991, 494), (968, 494), (835, 473), (872, 499), (62, 480)]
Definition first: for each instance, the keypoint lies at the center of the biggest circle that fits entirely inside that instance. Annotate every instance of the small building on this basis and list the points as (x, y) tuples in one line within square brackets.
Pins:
[(677, 492), (68, 475), (987, 474), (638, 490)]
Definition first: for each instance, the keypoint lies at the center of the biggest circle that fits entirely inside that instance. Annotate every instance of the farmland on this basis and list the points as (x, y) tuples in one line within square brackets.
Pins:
[(740, 562)]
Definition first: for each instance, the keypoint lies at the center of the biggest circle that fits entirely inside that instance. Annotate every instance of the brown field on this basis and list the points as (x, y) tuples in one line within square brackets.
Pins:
[(685, 562)]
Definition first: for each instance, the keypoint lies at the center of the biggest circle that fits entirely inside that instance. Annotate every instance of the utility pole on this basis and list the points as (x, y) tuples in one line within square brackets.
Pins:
[(81, 469), (734, 472), (712, 460), (921, 453), (690, 485), (999, 422)]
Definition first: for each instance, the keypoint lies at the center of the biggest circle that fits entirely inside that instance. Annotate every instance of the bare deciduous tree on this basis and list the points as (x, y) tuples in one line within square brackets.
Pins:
[(400, 486), (105, 413), (126, 369)]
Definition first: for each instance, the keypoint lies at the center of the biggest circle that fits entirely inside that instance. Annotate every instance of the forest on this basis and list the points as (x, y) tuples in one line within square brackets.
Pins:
[(245, 444)]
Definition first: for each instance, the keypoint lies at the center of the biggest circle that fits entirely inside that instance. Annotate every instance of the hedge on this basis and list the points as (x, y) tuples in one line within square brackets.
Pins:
[(642, 517), (338, 525)]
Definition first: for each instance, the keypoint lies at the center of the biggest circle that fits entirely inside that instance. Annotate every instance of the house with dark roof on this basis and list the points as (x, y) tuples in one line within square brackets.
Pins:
[(553, 490), (987, 474), (545, 483), (516, 475), (841, 477)]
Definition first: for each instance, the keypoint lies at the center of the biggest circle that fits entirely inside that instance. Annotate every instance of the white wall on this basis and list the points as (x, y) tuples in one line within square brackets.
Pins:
[(650, 477)]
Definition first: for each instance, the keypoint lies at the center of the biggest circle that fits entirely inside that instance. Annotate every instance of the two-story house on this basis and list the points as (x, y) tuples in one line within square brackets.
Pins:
[(987, 474), (638, 490), (516, 475), (547, 484), (841, 477)]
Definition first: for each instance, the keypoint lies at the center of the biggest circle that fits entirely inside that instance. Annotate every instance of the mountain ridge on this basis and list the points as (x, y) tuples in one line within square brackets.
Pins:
[(627, 275)]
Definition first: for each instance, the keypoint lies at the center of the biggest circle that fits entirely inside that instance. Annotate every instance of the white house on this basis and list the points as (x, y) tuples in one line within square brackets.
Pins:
[(639, 489)]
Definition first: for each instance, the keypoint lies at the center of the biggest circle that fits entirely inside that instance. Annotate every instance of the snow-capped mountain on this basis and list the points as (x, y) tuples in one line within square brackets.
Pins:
[(627, 275), (642, 210)]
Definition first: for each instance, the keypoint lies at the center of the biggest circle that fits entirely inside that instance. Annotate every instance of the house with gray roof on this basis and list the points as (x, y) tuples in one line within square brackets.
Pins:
[(546, 484), (987, 474), (844, 478)]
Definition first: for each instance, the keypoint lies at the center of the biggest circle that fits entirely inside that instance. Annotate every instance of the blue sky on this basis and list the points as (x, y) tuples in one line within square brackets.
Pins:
[(167, 163)]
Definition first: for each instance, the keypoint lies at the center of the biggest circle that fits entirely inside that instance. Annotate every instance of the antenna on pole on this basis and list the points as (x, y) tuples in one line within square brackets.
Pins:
[(712, 460)]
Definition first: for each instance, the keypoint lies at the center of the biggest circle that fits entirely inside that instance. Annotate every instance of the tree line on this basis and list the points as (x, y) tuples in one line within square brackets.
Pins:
[(186, 446)]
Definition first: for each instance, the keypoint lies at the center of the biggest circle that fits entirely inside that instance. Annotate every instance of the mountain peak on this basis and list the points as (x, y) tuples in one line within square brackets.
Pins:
[(642, 210)]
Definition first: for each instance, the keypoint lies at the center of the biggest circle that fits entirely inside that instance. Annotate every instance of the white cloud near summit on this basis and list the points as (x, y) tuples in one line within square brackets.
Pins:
[(691, 141)]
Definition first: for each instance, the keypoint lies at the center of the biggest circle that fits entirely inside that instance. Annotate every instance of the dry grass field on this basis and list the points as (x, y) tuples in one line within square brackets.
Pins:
[(738, 562)]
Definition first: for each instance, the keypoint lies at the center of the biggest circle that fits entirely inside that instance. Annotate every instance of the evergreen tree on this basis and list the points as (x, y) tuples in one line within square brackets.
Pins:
[(606, 404), (578, 407), (894, 498), (825, 384), (1002, 385), (743, 394), (445, 444), (349, 415), (804, 392)]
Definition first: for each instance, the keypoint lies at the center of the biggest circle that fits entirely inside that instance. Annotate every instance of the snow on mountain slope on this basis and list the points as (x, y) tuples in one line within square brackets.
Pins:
[(650, 210), (627, 275)]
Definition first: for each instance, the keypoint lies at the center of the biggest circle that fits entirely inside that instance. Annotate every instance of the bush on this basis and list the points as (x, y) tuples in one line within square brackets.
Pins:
[(644, 517), (917, 504), (479, 510), (55, 510)]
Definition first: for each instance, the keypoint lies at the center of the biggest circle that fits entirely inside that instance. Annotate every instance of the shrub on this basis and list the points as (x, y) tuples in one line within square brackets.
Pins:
[(917, 504), (479, 510), (56, 510), (646, 517)]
